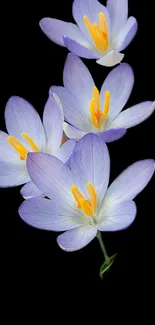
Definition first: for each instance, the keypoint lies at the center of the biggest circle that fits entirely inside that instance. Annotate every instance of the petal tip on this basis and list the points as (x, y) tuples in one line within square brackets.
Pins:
[(111, 59)]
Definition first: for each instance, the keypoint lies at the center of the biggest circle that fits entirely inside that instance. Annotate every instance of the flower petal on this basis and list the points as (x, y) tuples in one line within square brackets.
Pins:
[(111, 58), (112, 135), (13, 174), (128, 33), (118, 216), (65, 151), (120, 83), (118, 11), (21, 117), (53, 123), (84, 51), (134, 115), (55, 29), (78, 80), (130, 182), (73, 112), (76, 239), (7, 153), (90, 8), (48, 215), (90, 163), (51, 176), (72, 132), (29, 190)]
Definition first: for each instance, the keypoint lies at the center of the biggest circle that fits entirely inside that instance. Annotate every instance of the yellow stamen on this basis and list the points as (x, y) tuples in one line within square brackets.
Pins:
[(85, 207), (93, 197), (63, 140), (98, 32), (106, 106), (18, 147), (88, 207), (30, 141), (104, 28), (97, 117)]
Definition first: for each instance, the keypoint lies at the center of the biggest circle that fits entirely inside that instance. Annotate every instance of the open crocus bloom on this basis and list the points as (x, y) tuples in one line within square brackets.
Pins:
[(28, 134), (82, 204), (101, 32), (86, 110)]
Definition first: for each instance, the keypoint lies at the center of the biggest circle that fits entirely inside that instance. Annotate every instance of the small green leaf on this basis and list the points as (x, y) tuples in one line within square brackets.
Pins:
[(106, 265)]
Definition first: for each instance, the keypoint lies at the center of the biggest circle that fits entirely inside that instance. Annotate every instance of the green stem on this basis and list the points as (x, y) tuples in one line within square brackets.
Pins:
[(107, 259)]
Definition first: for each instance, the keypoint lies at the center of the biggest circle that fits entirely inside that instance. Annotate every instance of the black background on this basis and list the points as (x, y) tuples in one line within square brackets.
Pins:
[(31, 64)]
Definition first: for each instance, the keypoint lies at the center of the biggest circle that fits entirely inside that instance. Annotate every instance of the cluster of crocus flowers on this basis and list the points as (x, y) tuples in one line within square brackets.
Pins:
[(67, 180)]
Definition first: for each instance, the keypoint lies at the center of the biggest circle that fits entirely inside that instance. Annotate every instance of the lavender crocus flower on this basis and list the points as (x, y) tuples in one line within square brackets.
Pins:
[(26, 133), (82, 204), (86, 110), (101, 32)]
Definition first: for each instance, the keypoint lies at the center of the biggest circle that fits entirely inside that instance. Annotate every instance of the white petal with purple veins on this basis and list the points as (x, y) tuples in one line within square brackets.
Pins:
[(134, 115), (48, 215), (76, 239)]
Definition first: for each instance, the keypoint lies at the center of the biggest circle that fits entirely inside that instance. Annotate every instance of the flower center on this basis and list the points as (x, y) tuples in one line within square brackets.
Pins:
[(98, 32), (20, 148), (87, 206), (97, 117)]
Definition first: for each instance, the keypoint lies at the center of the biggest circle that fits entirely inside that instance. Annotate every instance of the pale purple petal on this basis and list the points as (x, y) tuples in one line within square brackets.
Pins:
[(53, 123), (73, 112), (55, 29), (13, 173), (65, 151), (29, 190), (79, 49), (118, 12), (72, 132), (21, 117), (90, 164), (48, 215), (117, 216), (7, 153), (51, 176), (90, 8), (120, 83), (134, 115), (112, 134), (78, 80), (131, 181), (127, 34), (111, 58), (76, 239)]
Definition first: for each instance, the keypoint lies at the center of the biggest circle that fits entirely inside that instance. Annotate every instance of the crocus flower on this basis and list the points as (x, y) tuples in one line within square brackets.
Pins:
[(82, 204), (26, 133), (86, 110), (101, 32)]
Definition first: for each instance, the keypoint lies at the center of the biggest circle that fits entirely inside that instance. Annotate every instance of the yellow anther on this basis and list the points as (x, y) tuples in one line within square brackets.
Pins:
[(98, 32), (106, 106), (97, 116), (18, 147), (93, 197), (104, 28), (87, 206), (30, 141), (63, 140), (77, 195)]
